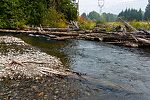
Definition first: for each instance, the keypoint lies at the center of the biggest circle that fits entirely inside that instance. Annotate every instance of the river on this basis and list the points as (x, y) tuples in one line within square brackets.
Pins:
[(127, 67)]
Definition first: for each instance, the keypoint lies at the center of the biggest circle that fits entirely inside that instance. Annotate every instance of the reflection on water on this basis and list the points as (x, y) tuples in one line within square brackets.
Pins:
[(129, 67)]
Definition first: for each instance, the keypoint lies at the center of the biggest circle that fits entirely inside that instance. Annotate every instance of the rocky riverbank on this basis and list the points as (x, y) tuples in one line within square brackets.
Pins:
[(20, 58), (28, 73)]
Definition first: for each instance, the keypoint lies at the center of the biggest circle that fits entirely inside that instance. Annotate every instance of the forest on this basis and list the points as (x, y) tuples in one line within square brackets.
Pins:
[(24, 13)]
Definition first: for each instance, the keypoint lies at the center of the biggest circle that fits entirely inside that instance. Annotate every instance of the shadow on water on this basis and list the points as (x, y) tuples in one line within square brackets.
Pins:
[(127, 67)]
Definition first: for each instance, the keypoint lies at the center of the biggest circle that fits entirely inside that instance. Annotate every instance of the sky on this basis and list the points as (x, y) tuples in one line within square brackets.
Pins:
[(111, 6)]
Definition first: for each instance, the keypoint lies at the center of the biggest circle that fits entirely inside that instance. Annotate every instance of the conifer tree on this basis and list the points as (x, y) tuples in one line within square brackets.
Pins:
[(147, 12), (131, 14)]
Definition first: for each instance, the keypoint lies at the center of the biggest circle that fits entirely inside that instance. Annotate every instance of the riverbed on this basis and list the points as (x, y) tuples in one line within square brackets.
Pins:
[(113, 72)]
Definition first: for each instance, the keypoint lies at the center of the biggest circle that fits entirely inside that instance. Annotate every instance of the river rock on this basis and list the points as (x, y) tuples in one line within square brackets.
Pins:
[(19, 58)]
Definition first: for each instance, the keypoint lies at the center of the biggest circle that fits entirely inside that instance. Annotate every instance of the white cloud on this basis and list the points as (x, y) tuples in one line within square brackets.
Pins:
[(127, 1)]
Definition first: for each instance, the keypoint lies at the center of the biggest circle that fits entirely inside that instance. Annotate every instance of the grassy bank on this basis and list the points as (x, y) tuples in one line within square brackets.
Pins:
[(135, 24), (142, 25), (108, 26)]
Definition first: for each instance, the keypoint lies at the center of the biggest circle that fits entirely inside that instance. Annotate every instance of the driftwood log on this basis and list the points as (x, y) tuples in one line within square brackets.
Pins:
[(136, 38), (32, 69), (128, 25)]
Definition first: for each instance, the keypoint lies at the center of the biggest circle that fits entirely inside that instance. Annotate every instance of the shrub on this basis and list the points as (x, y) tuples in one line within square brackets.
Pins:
[(86, 24), (54, 19), (142, 25)]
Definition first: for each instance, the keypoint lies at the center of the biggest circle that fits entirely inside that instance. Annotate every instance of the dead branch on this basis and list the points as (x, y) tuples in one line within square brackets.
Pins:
[(128, 25)]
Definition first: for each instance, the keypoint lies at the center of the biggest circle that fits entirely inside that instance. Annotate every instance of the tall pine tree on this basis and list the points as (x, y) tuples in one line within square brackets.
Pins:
[(147, 12), (131, 14)]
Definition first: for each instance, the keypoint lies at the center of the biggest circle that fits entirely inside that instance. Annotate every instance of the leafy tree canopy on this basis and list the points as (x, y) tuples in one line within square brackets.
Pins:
[(18, 13)]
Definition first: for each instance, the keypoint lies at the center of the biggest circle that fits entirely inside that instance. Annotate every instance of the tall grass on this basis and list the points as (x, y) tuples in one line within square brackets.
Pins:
[(109, 26), (140, 25), (86, 24)]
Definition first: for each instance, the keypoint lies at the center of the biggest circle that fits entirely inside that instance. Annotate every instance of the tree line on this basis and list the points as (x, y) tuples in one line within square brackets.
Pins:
[(105, 17), (138, 15), (20, 13), (128, 14), (131, 14)]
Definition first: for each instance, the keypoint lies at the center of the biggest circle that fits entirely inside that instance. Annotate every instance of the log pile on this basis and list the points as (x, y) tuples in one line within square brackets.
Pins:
[(135, 38)]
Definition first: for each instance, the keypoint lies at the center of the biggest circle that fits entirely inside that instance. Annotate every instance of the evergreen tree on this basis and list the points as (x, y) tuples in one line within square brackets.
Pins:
[(131, 14), (147, 12), (84, 15), (140, 16)]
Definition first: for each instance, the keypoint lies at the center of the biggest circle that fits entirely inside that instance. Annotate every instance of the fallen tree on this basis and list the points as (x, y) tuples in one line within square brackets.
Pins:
[(135, 38)]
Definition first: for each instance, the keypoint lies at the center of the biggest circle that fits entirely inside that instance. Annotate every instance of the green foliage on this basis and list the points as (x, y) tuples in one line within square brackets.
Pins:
[(136, 24), (131, 14), (105, 17), (86, 24), (19, 13), (109, 26), (147, 12), (108, 17), (54, 19), (34, 11), (140, 25), (68, 9), (11, 14), (94, 16)]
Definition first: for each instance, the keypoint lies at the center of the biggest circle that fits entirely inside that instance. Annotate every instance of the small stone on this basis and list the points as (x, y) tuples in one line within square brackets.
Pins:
[(41, 94)]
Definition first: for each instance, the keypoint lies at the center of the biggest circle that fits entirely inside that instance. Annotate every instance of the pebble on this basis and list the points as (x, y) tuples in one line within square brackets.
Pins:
[(30, 54)]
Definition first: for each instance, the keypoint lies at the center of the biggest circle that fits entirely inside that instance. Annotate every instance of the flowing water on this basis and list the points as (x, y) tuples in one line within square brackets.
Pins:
[(128, 68)]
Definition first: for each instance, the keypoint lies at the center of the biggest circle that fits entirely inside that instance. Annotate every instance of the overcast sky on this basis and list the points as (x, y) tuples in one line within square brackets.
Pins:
[(111, 6)]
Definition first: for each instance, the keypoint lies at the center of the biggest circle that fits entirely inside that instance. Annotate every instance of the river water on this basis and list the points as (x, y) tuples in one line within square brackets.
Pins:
[(129, 68)]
